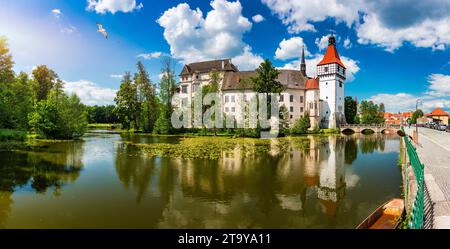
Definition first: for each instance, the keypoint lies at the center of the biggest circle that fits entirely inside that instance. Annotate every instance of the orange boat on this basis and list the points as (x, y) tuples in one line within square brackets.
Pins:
[(387, 216)]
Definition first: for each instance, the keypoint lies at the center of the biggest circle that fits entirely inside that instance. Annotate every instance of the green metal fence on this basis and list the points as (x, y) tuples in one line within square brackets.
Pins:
[(416, 221)]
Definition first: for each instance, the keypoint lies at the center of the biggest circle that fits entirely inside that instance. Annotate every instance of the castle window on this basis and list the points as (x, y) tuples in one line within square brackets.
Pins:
[(301, 99), (291, 98), (292, 109), (281, 97), (301, 109), (227, 99), (315, 106), (233, 109), (340, 84), (232, 99), (291, 116), (184, 89), (227, 109), (326, 69)]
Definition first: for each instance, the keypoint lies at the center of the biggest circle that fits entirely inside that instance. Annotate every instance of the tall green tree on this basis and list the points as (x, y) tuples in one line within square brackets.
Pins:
[(266, 81), (6, 79), (166, 90), (416, 114), (381, 108), (44, 80), (350, 109), (370, 113), (147, 100), (127, 103), (22, 102)]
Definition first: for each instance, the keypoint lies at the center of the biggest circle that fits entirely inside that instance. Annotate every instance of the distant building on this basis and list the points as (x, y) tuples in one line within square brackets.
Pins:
[(397, 118), (438, 116), (321, 96)]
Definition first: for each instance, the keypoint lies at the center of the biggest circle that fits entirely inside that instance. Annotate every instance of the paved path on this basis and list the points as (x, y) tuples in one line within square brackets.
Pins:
[(434, 152)]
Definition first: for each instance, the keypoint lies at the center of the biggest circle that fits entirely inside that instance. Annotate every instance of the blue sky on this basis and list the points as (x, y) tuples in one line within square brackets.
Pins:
[(394, 52)]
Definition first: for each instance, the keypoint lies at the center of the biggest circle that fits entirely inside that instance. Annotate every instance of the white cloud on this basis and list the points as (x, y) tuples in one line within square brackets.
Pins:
[(299, 15), (57, 13), (116, 76), (90, 93), (193, 37), (258, 18), (247, 60), (384, 23), (291, 48), (113, 6), (152, 55), (437, 95), (311, 66), (322, 43), (439, 85), (347, 43)]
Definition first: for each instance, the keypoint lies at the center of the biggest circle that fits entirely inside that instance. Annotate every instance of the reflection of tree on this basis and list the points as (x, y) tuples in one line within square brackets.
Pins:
[(53, 168), (351, 150), (372, 143), (133, 169), (5, 207)]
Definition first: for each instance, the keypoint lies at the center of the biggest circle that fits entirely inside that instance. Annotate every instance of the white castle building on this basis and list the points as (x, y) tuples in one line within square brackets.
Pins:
[(322, 97)]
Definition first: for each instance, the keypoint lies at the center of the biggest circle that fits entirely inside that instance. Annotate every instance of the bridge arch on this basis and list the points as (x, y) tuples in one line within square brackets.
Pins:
[(367, 130), (348, 131)]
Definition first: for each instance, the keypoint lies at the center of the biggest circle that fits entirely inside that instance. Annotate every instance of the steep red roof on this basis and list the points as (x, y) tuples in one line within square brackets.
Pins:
[(438, 112), (331, 56), (312, 84)]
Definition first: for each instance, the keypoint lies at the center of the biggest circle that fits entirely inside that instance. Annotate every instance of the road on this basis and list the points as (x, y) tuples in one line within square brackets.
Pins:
[(434, 152)]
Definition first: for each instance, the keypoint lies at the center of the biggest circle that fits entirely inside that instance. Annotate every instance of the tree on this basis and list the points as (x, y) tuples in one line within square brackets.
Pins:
[(22, 102), (102, 114), (44, 80), (301, 125), (284, 119), (147, 104), (59, 116), (6, 63), (126, 103), (350, 109), (381, 108), (266, 80), (166, 91), (370, 113), (416, 114)]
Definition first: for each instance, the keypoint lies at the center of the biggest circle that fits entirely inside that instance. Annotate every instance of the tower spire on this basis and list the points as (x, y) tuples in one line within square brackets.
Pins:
[(303, 63)]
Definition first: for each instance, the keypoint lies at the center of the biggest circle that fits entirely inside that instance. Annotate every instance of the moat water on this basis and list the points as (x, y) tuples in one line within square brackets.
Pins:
[(106, 181)]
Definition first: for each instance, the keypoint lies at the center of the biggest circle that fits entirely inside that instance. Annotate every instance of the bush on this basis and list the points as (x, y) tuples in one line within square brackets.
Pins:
[(12, 135), (59, 117), (301, 125)]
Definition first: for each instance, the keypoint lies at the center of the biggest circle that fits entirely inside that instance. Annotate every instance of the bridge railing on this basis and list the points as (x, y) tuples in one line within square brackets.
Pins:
[(369, 125), (416, 221)]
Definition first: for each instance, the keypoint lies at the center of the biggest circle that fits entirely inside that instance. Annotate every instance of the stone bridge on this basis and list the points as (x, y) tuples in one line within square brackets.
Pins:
[(377, 128)]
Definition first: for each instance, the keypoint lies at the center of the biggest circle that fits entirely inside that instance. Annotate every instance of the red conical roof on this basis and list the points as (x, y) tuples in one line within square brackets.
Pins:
[(312, 84), (331, 56)]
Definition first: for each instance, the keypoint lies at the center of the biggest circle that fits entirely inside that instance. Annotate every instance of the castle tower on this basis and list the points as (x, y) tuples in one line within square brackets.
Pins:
[(331, 73)]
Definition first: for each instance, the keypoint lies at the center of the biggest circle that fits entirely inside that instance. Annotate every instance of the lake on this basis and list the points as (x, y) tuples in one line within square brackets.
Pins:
[(112, 180)]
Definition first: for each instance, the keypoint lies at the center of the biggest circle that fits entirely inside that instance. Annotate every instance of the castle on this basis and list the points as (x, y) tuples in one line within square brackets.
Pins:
[(322, 96)]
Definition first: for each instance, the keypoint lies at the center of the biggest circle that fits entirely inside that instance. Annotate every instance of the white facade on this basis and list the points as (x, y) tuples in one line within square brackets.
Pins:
[(332, 90)]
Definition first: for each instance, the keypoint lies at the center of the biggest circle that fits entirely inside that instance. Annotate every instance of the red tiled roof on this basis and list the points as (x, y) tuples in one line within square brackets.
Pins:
[(312, 84), (438, 112), (331, 56)]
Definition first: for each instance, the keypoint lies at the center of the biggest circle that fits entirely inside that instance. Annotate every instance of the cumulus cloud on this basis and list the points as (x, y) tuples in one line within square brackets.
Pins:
[(113, 6), (311, 66), (258, 18), (193, 37), (152, 55), (57, 13), (384, 23), (437, 95), (247, 60), (291, 48), (90, 93), (322, 43)]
